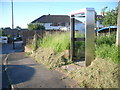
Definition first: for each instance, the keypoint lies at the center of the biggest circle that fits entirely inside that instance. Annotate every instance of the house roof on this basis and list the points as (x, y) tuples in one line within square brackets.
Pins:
[(99, 16), (53, 19)]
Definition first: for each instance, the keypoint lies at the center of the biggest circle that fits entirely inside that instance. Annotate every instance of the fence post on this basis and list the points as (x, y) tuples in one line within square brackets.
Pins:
[(35, 40), (118, 26)]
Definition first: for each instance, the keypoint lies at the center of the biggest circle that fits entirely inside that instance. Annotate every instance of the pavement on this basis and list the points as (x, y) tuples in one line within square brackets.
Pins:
[(24, 72), (5, 50)]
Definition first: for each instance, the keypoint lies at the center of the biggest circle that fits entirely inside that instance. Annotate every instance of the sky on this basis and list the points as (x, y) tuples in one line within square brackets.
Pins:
[(26, 12)]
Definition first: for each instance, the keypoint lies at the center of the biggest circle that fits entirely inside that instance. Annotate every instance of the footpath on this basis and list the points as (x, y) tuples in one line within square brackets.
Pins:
[(24, 72), (5, 51)]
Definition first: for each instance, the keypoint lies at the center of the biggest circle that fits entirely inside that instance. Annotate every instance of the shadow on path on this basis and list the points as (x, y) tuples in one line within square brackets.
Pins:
[(20, 73)]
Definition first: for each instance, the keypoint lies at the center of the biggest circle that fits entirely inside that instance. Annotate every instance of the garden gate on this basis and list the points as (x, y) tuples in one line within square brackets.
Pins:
[(89, 15)]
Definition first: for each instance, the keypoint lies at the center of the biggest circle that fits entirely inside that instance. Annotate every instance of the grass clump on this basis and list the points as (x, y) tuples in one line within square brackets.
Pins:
[(109, 40), (106, 48), (108, 52), (58, 42)]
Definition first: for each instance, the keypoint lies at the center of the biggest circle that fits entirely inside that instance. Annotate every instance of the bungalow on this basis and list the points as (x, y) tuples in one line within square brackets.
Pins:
[(61, 22)]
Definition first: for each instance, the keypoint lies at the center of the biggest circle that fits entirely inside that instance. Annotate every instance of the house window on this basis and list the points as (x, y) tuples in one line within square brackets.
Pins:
[(62, 24), (54, 24), (51, 24), (57, 24)]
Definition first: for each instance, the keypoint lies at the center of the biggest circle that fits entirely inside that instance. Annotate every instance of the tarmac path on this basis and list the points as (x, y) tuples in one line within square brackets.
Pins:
[(24, 72)]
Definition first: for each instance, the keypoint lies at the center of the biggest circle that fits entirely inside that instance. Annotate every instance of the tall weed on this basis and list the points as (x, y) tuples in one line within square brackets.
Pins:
[(109, 40), (59, 41), (106, 48)]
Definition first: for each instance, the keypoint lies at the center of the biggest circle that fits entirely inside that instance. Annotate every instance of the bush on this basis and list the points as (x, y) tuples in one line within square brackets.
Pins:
[(2, 33), (35, 26)]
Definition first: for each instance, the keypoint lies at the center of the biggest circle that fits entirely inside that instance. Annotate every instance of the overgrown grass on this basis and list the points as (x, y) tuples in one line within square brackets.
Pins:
[(54, 49), (106, 48), (105, 45), (108, 52), (58, 42), (109, 40)]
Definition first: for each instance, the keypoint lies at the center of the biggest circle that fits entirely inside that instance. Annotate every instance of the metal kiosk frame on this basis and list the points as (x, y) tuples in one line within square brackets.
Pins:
[(89, 15)]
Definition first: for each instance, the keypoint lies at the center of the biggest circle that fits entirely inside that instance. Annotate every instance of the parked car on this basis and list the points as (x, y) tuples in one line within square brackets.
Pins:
[(3, 39), (17, 38)]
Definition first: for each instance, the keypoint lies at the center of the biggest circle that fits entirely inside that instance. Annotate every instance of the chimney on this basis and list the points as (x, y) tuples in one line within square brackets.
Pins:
[(102, 13)]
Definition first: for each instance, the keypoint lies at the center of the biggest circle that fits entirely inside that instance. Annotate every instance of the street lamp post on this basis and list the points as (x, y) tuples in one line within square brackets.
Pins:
[(12, 24)]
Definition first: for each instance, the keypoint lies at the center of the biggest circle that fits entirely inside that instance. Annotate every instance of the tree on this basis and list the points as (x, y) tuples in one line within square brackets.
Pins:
[(2, 33), (35, 26), (18, 27), (111, 17), (100, 19)]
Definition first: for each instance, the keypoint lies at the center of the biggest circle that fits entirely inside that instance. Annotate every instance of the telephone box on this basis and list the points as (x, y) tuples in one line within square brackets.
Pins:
[(89, 15)]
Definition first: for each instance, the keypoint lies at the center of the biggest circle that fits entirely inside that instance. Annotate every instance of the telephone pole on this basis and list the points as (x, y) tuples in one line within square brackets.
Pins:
[(12, 25)]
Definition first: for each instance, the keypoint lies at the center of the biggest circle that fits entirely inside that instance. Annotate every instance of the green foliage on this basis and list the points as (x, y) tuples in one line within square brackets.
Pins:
[(100, 19), (35, 26), (58, 42), (108, 52), (2, 33), (109, 40), (18, 27), (105, 48), (111, 17)]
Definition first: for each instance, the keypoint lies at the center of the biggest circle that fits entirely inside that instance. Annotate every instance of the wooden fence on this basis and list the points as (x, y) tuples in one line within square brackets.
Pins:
[(28, 35)]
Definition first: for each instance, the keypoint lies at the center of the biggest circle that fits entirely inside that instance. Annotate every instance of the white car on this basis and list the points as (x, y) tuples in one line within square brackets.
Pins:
[(3, 39)]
